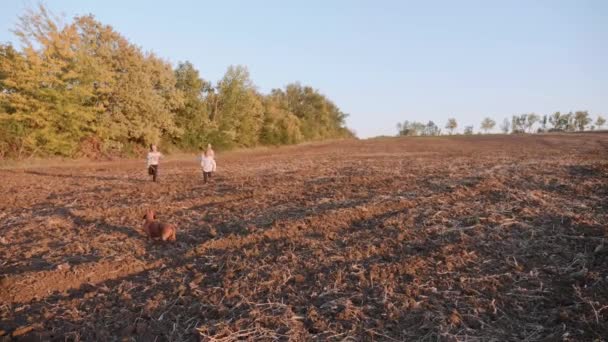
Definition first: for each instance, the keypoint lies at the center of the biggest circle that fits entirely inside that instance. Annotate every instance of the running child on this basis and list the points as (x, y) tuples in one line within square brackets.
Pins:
[(208, 165), (152, 160)]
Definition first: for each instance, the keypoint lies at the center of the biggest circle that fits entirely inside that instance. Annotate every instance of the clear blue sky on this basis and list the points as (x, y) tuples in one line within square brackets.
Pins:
[(382, 61)]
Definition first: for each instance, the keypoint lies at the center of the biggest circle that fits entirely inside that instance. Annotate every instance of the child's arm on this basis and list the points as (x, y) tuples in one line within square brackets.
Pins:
[(214, 165)]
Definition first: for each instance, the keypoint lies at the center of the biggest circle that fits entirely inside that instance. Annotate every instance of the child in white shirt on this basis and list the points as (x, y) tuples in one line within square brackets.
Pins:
[(208, 165), (152, 160)]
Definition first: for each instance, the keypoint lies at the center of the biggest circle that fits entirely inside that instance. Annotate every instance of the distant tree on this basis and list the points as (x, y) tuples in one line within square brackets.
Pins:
[(414, 128), (543, 124), (559, 121), (451, 125), (419, 128), (431, 129), (468, 130), (581, 120), (405, 129), (600, 122), (569, 122), (506, 124), (531, 119), (518, 123), (514, 124), (555, 120), (487, 124)]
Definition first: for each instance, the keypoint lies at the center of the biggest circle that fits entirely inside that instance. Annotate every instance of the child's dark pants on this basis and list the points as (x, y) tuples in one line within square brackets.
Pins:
[(153, 171), (206, 176)]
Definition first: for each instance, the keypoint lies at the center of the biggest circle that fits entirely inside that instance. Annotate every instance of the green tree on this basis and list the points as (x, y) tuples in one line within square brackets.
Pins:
[(80, 88), (280, 126), (15, 126), (81, 85), (193, 118), (51, 86), (135, 91), (241, 112), (320, 117), (468, 130)]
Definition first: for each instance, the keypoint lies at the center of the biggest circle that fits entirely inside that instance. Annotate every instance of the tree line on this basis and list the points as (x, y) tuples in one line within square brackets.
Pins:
[(82, 89), (525, 123)]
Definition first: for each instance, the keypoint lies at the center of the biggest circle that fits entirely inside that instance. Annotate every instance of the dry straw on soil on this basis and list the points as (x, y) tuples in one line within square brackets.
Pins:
[(481, 238)]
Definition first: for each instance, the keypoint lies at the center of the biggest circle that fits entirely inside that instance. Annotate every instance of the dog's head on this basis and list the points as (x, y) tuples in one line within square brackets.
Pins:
[(150, 215)]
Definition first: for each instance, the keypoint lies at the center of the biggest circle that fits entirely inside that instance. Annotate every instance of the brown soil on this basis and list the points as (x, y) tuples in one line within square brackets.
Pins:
[(464, 238)]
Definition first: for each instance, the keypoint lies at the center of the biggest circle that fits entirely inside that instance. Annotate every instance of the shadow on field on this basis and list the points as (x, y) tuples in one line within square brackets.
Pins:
[(84, 225), (38, 264), (583, 171), (292, 213), (100, 225), (76, 176), (135, 304), (126, 302)]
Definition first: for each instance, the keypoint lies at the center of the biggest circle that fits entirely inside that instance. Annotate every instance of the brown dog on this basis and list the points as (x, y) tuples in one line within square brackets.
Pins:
[(154, 229)]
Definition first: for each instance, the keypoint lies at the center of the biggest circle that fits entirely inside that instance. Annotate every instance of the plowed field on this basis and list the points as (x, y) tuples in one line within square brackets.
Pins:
[(463, 238)]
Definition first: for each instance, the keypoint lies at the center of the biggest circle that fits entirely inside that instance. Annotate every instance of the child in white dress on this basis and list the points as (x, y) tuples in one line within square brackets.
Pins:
[(208, 165), (152, 161)]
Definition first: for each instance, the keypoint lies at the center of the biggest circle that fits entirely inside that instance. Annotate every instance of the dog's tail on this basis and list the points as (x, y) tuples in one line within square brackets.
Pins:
[(173, 233)]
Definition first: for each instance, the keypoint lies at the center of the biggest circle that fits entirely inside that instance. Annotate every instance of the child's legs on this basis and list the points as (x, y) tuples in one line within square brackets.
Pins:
[(205, 176), (154, 172)]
